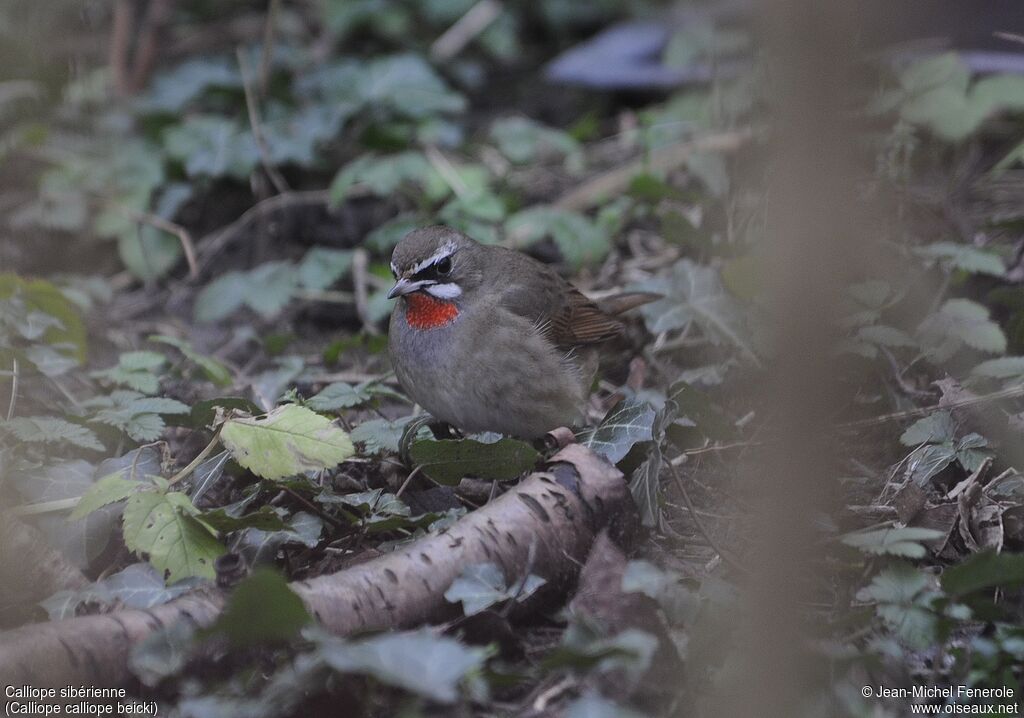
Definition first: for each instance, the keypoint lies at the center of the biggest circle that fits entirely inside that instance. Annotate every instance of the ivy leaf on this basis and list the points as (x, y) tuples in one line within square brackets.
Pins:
[(935, 428), (212, 146), (322, 267), (644, 486), (482, 585), (287, 441), (927, 461), (447, 461), (892, 541), (694, 297), (51, 430), (627, 423), (261, 609), (418, 661), (164, 527), (136, 586), (580, 241)]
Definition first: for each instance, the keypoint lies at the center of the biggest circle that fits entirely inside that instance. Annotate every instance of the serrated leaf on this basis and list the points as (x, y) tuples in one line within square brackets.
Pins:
[(213, 369), (627, 423), (960, 322), (289, 440), (163, 527), (882, 335), (965, 257), (382, 176), (341, 395), (482, 585), (261, 609), (418, 661), (51, 430), (1001, 368), (904, 541), (108, 490), (449, 460), (379, 436), (935, 428)]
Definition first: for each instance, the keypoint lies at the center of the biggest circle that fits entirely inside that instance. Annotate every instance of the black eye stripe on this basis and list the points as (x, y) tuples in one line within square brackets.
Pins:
[(431, 272)]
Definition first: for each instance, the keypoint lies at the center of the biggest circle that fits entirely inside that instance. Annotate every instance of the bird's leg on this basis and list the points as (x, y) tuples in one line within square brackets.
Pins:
[(442, 430)]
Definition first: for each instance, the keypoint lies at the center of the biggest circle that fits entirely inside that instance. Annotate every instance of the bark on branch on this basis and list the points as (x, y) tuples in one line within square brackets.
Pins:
[(558, 511)]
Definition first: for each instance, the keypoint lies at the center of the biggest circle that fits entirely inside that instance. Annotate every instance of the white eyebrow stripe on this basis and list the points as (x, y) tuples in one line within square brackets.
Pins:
[(449, 290), (446, 250), (394, 269)]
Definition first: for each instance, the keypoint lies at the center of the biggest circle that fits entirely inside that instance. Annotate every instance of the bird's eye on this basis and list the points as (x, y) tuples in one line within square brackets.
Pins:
[(444, 266)]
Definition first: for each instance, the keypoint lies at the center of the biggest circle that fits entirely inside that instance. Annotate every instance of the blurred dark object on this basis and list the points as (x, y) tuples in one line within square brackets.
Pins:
[(632, 56)]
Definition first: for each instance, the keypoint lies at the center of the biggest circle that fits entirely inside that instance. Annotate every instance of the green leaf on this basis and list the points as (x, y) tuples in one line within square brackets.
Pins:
[(982, 571), (322, 267), (108, 490), (341, 395), (137, 586), (384, 176), (266, 289), (136, 370), (173, 90), (289, 440), (892, 541), (379, 436), (935, 428), (261, 609), (213, 369), (482, 585), (448, 461), (960, 322), (212, 146), (44, 297), (628, 422), (266, 519), (1002, 368), (927, 461), (881, 335), (694, 297), (965, 257), (523, 141), (50, 430), (164, 527), (904, 596), (418, 661), (580, 241)]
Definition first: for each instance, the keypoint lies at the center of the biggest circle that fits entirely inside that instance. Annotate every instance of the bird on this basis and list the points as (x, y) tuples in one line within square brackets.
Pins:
[(488, 339)]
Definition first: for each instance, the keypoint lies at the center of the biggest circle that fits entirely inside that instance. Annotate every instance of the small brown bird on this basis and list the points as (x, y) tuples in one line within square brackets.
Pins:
[(489, 339)]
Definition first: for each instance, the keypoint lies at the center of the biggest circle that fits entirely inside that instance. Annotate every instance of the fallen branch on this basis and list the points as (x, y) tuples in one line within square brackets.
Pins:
[(616, 181), (554, 514)]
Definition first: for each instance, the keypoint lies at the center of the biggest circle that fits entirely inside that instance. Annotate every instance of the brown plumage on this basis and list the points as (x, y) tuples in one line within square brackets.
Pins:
[(490, 339)]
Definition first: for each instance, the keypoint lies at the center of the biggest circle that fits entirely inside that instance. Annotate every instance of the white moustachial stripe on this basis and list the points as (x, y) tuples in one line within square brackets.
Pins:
[(449, 290)]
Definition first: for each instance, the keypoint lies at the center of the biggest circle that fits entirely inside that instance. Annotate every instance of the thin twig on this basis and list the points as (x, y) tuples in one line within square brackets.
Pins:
[(360, 262), (447, 171), (408, 479), (269, 30), (467, 27), (700, 524), (1010, 393), (200, 458), (213, 243), (682, 458), (153, 220), (615, 181), (257, 128), (14, 390)]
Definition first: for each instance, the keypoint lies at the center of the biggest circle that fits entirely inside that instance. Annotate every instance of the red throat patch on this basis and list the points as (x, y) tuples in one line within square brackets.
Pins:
[(423, 311)]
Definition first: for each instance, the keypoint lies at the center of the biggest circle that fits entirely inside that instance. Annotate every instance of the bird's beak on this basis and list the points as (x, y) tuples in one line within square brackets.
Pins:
[(404, 286)]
